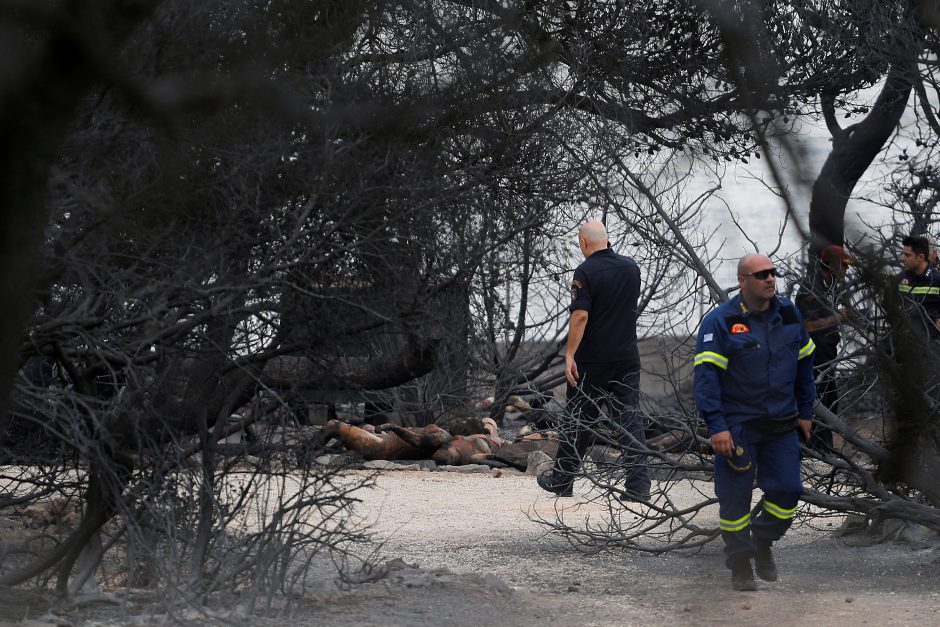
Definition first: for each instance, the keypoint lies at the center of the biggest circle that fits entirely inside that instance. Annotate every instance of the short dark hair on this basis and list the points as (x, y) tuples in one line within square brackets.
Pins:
[(918, 244)]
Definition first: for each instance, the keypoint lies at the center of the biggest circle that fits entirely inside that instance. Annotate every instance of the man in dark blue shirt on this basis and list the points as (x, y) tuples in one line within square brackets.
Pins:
[(754, 389), (919, 287), (602, 365)]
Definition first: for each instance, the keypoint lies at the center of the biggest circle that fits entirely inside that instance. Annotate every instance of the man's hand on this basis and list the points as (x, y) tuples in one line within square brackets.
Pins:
[(805, 427), (722, 443), (576, 326), (822, 323), (571, 371)]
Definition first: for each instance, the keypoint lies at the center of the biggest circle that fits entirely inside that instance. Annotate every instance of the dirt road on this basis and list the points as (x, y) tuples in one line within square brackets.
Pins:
[(477, 525), (468, 553)]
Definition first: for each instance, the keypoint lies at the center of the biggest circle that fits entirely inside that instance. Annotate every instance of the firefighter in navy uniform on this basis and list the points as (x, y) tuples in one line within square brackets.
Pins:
[(754, 388), (602, 366), (919, 286)]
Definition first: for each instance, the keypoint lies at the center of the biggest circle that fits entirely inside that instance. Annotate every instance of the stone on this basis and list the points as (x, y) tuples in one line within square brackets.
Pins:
[(468, 469), (538, 462), (330, 460), (384, 464), (426, 464), (234, 437), (516, 454), (318, 414), (411, 467), (853, 523)]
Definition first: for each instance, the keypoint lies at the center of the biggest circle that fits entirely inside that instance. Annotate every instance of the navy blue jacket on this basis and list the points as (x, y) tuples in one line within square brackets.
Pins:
[(920, 297), (751, 365)]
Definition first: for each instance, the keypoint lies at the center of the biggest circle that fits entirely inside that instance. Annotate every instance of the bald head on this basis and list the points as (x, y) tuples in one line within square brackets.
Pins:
[(757, 291), (752, 262), (592, 237), (593, 232)]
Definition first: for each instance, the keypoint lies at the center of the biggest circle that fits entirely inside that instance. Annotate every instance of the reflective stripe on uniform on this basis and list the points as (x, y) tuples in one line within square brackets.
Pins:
[(708, 357), (932, 291), (807, 350), (775, 510), (735, 525), (904, 289)]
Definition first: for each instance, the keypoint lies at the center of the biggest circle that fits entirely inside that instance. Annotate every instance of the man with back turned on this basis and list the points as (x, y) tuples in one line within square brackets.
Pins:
[(602, 365)]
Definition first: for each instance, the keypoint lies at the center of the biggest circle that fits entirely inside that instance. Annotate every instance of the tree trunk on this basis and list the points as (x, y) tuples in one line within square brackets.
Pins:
[(39, 104), (853, 150)]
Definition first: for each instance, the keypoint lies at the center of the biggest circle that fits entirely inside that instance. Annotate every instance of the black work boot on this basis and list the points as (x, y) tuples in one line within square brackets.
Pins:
[(632, 496), (764, 562), (742, 577), (553, 482)]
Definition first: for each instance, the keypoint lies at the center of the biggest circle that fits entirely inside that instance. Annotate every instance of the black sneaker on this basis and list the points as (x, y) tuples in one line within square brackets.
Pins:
[(742, 577), (552, 482), (764, 562)]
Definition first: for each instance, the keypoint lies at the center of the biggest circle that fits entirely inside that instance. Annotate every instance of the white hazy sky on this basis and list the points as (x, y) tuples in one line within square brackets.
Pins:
[(760, 212)]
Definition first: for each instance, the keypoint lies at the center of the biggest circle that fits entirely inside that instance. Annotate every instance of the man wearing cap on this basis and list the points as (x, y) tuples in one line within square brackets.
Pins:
[(753, 383), (602, 365), (823, 306)]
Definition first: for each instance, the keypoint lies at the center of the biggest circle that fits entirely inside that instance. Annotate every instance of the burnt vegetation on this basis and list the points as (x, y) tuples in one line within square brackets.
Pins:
[(212, 209)]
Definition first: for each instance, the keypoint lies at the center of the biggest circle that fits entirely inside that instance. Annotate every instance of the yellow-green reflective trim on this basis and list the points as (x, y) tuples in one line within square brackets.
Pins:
[(904, 288), (807, 350), (779, 512), (925, 290), (735, 525), (711, 358)]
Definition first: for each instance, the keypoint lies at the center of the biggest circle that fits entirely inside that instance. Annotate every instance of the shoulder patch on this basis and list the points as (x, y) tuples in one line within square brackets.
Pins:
[(575, 286), (736, 324)]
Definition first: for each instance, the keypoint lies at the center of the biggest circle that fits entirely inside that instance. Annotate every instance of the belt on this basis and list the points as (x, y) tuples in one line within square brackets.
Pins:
[(774, 425)]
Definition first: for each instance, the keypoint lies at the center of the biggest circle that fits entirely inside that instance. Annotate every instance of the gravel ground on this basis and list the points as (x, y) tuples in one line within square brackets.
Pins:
[(503, 569), (465, 551)]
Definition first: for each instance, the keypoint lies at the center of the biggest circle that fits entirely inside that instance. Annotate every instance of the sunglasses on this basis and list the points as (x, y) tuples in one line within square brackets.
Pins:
[(761, 275)]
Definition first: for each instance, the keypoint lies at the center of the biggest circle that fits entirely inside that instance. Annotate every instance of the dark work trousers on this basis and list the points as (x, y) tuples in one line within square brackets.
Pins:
[(775, 459), (826, 390), (617, 386)]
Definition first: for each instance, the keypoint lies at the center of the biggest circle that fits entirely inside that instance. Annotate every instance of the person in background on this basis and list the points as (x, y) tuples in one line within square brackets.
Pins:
[(932, 259), (824, 305), (919, 286)]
